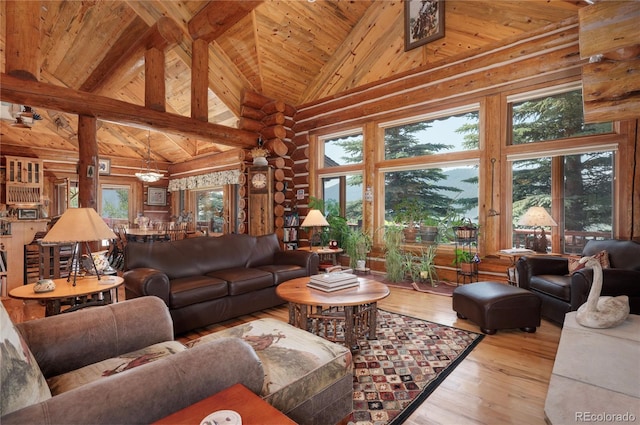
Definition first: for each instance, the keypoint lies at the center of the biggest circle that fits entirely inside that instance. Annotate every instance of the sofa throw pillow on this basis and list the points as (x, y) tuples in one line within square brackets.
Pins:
[(575, 265), (21, 381)]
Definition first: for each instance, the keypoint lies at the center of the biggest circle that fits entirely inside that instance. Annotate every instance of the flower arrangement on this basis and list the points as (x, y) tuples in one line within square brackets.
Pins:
[(259, 151)]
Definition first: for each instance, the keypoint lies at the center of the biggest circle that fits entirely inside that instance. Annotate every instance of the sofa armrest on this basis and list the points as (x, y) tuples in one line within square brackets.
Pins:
[(615, 282), (310, 261), (528, 266), (145, 281), (69, 341), (152, 391)]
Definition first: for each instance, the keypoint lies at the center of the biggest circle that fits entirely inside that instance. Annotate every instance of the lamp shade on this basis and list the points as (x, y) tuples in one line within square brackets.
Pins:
[(79, 225), (314, 218), (537, 216)]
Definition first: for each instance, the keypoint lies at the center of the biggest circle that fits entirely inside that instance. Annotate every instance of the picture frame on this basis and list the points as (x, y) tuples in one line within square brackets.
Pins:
[(157, 196), (104, 166), (423, 22), (27, 213)]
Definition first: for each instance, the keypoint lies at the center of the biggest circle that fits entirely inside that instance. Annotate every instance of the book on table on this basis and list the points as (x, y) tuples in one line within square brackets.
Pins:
[(333, 281)]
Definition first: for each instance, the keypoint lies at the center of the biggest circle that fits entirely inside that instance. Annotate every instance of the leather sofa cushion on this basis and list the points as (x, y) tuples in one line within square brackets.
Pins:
[(557, 286), (284, 272), (196, 289), (242, 280)]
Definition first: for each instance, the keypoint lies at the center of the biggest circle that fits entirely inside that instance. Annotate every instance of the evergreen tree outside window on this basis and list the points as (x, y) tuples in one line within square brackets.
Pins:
[(209, 210)]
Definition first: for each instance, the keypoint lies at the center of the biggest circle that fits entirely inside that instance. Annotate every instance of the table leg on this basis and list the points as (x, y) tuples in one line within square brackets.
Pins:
[(51, 307), (373, 319), (349, 332), (292, 314)]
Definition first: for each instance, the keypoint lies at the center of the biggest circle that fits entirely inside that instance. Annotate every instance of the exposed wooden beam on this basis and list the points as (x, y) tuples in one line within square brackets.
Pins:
[(67, 100), (165, 33), (218, 16), (23, 36)]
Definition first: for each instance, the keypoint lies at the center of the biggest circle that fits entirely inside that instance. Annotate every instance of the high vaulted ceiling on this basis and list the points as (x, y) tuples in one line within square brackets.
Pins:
[(296, 51)]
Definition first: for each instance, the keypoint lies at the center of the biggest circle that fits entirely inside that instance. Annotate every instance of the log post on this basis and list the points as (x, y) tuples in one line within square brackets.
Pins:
[(154, 88), (200, 80), (87, 162)]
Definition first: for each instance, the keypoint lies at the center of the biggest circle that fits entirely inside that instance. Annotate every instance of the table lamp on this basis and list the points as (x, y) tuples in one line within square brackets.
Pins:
[(314, 219), (75, 226), (537, 217)]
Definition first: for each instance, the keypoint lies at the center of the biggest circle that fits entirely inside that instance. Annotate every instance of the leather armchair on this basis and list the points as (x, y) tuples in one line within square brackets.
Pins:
[(549, 278)]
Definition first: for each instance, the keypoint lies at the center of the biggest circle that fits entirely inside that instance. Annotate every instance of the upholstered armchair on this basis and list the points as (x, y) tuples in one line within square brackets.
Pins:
[(78, 368), (562, 291)]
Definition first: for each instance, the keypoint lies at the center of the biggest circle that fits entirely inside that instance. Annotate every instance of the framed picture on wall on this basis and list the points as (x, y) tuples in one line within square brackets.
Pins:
[(157, 196), (104, 166), (423, 22)]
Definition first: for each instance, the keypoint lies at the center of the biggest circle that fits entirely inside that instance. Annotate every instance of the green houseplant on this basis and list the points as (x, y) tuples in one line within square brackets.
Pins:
[(357, 245), (465, 260), (409, 213), (393, 255)]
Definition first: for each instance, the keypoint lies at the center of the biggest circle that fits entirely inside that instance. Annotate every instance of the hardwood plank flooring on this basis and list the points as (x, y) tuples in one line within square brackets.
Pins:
[(503, 381)]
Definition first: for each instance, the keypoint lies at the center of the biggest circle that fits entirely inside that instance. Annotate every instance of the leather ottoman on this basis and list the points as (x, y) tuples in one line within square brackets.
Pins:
[(494, 306)]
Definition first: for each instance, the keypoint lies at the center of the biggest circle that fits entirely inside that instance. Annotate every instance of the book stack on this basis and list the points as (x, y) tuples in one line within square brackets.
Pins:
[(329, 282)]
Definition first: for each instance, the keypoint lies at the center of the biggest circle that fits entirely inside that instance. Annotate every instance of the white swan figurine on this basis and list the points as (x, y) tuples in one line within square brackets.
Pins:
[(601, 312)]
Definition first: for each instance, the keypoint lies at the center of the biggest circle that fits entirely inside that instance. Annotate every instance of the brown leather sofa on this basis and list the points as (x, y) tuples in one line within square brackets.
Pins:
[(549, 278), (207, 280)]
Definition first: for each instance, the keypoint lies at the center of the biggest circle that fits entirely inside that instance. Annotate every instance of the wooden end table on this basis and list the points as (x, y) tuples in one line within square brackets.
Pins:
[(322, 312), (252, 409), (89, 291)]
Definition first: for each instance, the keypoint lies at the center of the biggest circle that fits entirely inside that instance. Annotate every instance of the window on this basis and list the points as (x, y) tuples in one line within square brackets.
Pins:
[(448, 133), (210, 210), (115, 204), (440, 193), (574, 181), (438, 190), (342, 149), (552, 117), (343, 195)]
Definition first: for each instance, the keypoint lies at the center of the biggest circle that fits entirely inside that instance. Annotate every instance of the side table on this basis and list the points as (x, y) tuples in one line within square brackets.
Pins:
[(89, 291), (252, 409)]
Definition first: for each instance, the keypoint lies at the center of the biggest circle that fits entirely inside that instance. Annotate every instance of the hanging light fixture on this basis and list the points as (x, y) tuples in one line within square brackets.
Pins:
[(146, 175)]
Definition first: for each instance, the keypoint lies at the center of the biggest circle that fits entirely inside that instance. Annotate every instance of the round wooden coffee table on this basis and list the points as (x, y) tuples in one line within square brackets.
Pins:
[(325, 313), (89, 291)]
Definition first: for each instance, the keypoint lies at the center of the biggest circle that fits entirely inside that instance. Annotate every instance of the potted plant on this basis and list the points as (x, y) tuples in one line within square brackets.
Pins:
[(410, 267), (357, 245), (466, 261), (393, 255), (409, 213), (429, 229), (427, 265)]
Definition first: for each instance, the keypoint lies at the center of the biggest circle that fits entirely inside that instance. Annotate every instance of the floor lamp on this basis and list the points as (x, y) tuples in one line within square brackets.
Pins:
[(538, 218), (77, 226), (314, 219)]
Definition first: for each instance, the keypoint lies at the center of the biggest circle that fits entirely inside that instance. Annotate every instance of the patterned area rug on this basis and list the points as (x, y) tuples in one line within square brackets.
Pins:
[(394, 374)]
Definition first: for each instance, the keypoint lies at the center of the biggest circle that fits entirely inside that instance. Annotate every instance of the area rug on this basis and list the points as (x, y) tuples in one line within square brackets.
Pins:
[(395, 373)]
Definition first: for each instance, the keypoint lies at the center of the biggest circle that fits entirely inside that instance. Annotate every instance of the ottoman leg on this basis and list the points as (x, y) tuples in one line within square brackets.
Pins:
[(529, 329), (488, 331)]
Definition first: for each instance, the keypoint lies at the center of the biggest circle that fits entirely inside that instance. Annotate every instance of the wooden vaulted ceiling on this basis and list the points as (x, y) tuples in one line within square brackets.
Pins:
[(295, 51)]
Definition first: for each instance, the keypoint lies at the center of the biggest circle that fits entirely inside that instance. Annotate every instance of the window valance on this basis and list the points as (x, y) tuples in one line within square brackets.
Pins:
[(205, 180)]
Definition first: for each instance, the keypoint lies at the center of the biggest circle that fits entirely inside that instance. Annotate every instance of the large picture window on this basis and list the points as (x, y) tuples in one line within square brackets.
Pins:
[(574, 182)]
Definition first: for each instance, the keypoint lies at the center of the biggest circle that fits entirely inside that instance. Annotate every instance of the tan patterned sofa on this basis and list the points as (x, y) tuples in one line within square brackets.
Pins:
[(119, 364)]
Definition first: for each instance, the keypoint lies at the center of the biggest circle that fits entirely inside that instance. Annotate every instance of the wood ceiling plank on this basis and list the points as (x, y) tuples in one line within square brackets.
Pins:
[(337, 73)]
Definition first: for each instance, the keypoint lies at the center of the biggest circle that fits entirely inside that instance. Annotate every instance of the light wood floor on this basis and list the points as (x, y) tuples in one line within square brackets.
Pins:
[(503, 381)]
